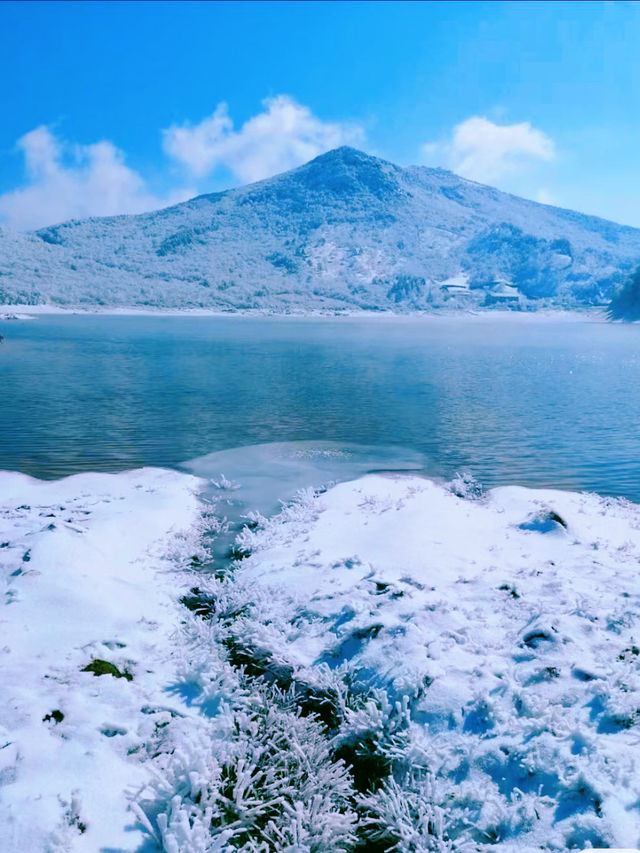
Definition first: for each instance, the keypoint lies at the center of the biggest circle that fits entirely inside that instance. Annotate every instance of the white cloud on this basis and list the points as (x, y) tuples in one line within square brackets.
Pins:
[(484, 151), (285, 134), (67, 182)]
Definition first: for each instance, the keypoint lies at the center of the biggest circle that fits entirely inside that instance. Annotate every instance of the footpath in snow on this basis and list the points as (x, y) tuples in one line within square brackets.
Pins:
[(394, 663)]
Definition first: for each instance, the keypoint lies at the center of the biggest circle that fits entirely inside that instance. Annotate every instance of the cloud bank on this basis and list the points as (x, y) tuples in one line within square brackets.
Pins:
[(284, 135), (484, 151), (69, 181), (75, 181)]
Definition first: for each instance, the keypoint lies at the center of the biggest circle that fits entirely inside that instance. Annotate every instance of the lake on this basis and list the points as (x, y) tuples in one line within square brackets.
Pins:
[(513, 400)]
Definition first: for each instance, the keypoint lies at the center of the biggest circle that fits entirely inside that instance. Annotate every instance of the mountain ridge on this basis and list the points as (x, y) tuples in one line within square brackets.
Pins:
[(345, 230)]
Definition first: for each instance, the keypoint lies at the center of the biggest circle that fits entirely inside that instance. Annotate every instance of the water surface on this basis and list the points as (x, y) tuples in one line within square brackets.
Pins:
[(536, 402)]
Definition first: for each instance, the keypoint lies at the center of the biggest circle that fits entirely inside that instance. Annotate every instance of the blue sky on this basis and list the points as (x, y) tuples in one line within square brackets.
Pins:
[(120, 107)]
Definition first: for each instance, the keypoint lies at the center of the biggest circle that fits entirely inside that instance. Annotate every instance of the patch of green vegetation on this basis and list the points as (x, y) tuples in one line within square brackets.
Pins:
[(104, 667)]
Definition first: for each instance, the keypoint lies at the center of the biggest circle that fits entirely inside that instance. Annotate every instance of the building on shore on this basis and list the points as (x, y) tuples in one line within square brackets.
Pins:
[(502, 292), (456, 286)]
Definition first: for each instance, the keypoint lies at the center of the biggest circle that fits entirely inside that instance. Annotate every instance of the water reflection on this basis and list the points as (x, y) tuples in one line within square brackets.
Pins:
[(539, 403)]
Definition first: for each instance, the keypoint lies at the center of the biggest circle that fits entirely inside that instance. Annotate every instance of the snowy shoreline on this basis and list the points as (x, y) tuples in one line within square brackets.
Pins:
[(471, 656), (23, 312)]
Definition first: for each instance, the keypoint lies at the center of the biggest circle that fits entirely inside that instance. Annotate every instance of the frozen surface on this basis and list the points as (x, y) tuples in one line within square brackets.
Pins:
[(263, 475), (85, 566)]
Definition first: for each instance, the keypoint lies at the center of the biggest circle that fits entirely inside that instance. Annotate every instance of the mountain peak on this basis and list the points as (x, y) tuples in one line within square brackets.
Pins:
[(348, 171), (350, 158), (346, 154), (346, 229)]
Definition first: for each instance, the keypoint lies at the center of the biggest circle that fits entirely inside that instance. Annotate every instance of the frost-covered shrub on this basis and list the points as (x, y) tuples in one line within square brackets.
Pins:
[(404, 818), (466, 486), (261, 778), (286, 789), (291, 749), (371, 738)]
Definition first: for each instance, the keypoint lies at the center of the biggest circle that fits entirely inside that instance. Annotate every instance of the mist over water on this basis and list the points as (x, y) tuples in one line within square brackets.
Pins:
[(541, 403)]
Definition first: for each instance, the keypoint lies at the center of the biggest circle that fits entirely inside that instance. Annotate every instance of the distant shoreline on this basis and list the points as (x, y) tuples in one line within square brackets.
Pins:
[(26, 312)]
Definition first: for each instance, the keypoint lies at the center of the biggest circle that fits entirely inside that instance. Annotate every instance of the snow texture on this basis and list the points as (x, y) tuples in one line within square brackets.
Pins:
[(85, 568), (489, 643), (345, 231), (392, 664)]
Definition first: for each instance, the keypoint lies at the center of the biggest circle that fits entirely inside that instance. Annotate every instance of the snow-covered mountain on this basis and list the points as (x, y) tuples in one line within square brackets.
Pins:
[(346, 230)]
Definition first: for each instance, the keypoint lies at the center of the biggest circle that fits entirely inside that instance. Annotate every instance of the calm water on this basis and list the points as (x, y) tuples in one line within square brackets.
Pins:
[(531, 402)]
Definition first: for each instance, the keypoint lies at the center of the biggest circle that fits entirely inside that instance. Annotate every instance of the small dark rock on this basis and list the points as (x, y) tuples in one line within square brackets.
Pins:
[(369, 633), (544, 522), (200, 604), (632, 650), (56, 716), (510, 589)]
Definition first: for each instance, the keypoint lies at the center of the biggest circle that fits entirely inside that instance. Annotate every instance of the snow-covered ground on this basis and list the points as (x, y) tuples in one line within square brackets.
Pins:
[(394, 663), (499, 635), (85, 565)]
